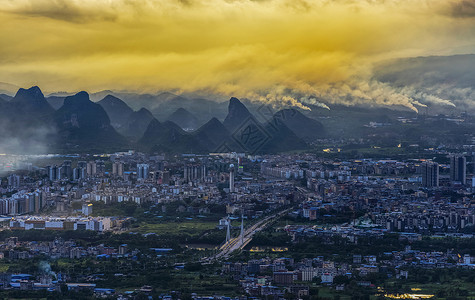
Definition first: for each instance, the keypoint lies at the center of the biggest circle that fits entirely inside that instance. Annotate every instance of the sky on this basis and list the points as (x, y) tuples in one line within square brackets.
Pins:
[(295, 52)]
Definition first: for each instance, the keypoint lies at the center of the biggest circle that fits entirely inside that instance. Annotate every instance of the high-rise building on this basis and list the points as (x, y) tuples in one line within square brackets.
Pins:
[(100, 167), (61, 173), (194, 172), (31, 202), (240, 166), (13, 181), (430, 174), (165, 177), (91, 168), (87, 209), (79, 173), (65, 171), (231, 178), (458, 169), (123, 249), (142, 171), (118, 168), (53, 173), (39, 201)]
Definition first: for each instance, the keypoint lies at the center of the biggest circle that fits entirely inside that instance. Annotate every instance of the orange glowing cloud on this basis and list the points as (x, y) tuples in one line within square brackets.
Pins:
[(292, 51)]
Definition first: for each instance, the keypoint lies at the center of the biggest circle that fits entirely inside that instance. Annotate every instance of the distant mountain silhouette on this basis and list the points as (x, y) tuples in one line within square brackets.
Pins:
[(214, 137), (252, 136), (97, 96), (29, 124), (282, 139), (117, 110), (163, 104), (304, 127), (55, 101), (237, 115), (136, 124), (184, 119), (32, 100), (7, 88), (25, 123), (168, 103), (169, 137), (148, 101), (80, 112), (85, 123), (202, 109), (5, 97)]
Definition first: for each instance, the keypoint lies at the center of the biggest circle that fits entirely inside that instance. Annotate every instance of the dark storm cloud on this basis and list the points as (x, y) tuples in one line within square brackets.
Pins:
[(287, 51), (63, 10), (463, 9)]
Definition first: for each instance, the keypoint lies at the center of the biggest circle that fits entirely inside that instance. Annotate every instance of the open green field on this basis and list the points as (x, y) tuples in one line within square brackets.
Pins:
[(185, 227), (205, 285), (445, 289), (325, 292), (3, 267)]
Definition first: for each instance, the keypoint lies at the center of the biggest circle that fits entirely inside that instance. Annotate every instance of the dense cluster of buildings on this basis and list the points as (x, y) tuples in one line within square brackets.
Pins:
[(411, 197), (267, 276), (41, 199), (404, 196), (23, 202), (14, 249), (275, 277), (458, 172), (67, 223)]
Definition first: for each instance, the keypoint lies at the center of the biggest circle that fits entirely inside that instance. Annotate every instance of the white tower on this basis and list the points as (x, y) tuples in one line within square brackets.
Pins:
[(231, 178), (242, 230), (228, 232)]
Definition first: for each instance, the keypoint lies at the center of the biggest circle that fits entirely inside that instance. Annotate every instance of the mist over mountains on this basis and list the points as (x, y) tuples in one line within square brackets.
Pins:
[(434, 84), (26, 124), (109, 120), (32, 123), (443, 83), (77, 124)]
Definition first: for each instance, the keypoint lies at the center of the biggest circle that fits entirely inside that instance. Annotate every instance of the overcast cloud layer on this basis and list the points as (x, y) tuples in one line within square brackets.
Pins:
[(285, 51)]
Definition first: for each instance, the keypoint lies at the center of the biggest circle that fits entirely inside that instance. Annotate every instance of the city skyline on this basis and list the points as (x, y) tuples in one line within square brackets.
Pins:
[(237, 149)]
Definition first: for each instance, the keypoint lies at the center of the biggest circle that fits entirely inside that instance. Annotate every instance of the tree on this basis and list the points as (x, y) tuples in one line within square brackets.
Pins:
[(193, 267), (341, 279), (289, 296)]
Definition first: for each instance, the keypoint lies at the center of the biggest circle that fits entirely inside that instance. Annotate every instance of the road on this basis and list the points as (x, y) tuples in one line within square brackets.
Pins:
[(236, 244)]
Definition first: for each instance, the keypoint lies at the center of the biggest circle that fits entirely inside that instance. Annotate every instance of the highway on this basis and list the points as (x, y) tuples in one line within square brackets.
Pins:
[(236, 244)]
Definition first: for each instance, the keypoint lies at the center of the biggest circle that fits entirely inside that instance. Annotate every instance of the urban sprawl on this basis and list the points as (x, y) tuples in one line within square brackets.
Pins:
[(268, 227)]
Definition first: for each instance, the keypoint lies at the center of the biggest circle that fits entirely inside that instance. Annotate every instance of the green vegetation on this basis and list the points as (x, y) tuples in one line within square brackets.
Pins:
[(443, 283), (128, 275), (121, 209), (272, 239), (191, 228)]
